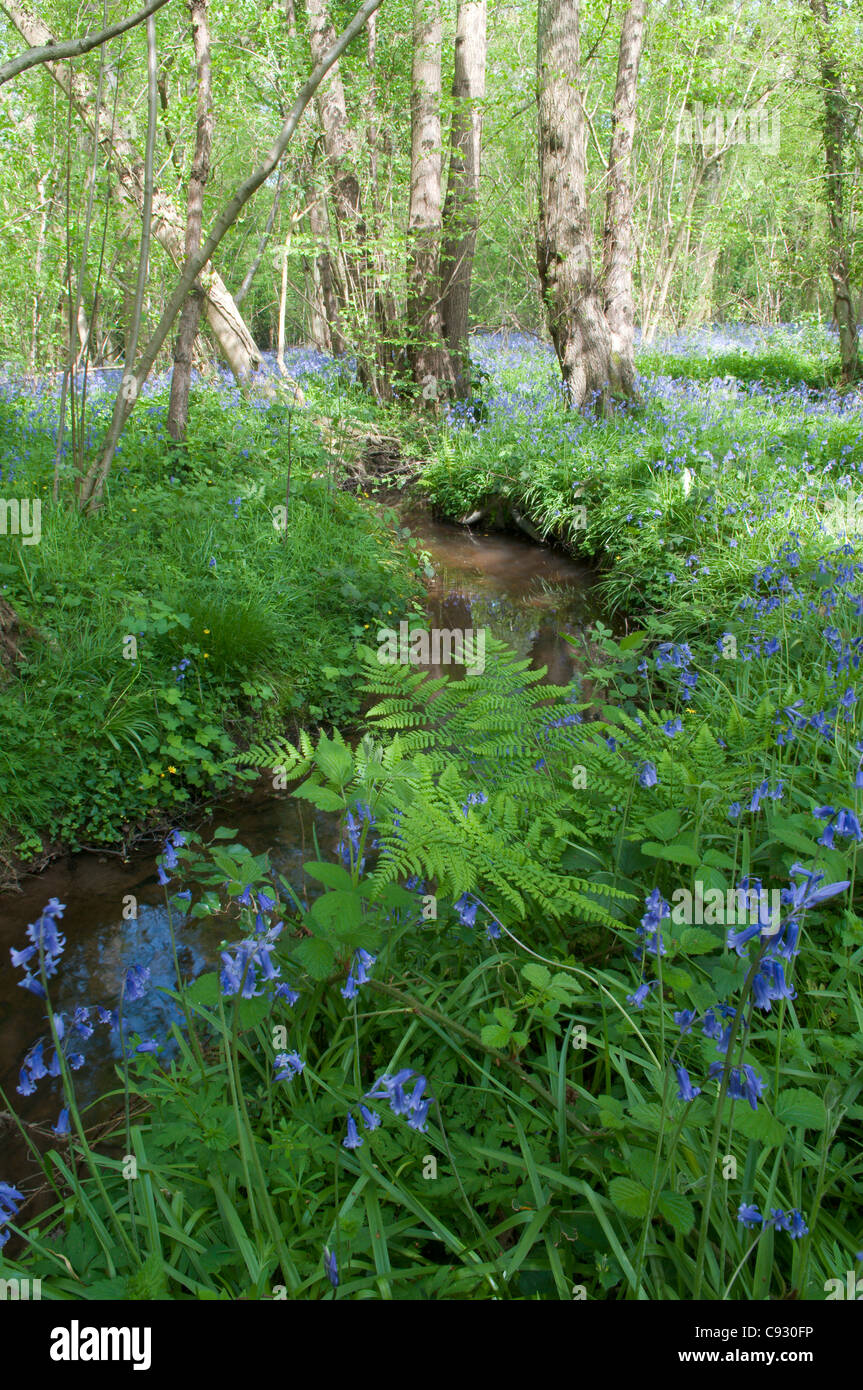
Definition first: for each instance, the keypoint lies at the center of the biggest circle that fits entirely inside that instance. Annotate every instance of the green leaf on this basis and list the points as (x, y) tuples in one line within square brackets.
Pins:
[(798, 1106), (695, 941), (316, 956), (334, 760), (681, 852), (629, 1196), (332, 875), (676, 1209), (323, 797), (664, 825), (495, 1035)]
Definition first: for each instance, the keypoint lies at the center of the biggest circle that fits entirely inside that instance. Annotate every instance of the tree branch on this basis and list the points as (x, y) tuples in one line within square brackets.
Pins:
[(73, 48)]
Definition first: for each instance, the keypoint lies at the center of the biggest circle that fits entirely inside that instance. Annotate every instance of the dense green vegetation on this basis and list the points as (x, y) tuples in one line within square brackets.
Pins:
[(240, 626), (551, 1148)]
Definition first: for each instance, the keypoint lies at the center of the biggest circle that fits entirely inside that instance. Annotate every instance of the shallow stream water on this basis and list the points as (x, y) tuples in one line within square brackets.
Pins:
[(523, 593)]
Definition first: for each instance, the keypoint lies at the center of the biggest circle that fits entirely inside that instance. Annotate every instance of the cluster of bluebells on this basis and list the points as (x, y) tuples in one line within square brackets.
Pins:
[(348, 847), (181, 669), (761, 793), (38, 1064), (241, 964), (474, 799), (10, 1200), (42, 956), (168, 859), (358, 973), (791, 1221), (807, 890), (409, 1103)]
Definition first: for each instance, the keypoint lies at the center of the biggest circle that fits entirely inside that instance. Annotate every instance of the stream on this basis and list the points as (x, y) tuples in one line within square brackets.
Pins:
[(523, 593)]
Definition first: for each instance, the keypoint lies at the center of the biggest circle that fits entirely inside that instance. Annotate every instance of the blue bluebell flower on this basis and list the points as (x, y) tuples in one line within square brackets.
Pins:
[(354, 1139)]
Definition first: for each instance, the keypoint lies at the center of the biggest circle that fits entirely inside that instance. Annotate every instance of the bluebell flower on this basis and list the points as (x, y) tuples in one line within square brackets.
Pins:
[(10, 1200), (647, 775), (778, 1219), (137, 979), (749, 1216), (686, 1091), (354, 1139), (672, 727), (151, 1046), (62, 1126), (466, 910), (371, 1119), (639, 997), (685, 1019), (798, 1225), (287, 1065), (285, 992)]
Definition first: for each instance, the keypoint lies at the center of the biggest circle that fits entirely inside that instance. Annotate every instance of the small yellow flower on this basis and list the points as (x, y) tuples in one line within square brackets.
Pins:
[(206, 656), (206, 632), (172, 769)]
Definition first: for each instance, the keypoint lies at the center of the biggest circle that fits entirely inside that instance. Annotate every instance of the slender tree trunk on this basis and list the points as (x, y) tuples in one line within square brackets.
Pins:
[(190, 317), (428, 359), (231, 333), (617, 239), (835, 130), (90, 496), (571, 293), (350, 268), (460, 214)]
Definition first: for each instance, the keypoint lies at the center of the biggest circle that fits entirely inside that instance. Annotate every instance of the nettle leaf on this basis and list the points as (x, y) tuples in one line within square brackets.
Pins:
[(758, 1124), (538, 975), (495, 1035), (336, 909), (629, 1196), (676, 1209), (316, 956), (798, 1106)]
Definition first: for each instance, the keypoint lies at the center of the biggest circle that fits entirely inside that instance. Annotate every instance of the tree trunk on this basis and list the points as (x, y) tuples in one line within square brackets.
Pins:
[(231, 333), (350, 267), (617, 238), (571, 292), (462, 192), (190, 317), (835, 130), (428, 358)]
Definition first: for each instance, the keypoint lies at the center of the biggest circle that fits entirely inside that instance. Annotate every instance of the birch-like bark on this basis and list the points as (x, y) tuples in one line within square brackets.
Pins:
[(91, 492), (190, 317), (617, 248), (835, 129), (231, 333), (571, 293), (460, 214), (428, 359)]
